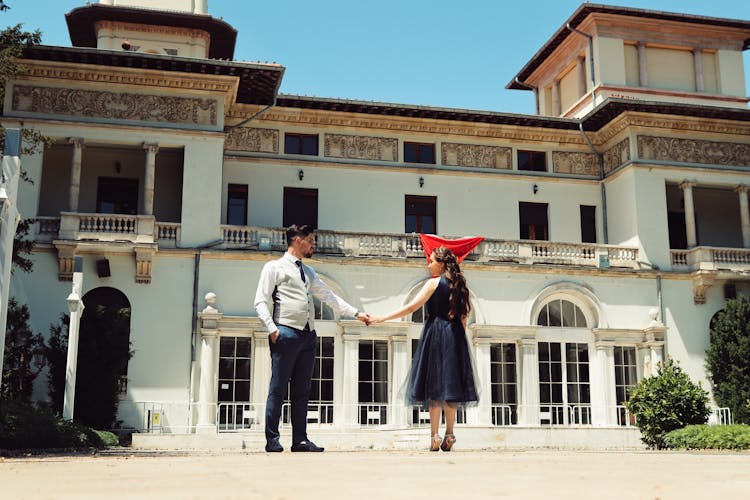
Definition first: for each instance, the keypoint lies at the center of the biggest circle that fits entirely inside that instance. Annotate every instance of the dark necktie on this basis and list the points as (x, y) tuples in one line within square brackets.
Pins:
[(301, 272)]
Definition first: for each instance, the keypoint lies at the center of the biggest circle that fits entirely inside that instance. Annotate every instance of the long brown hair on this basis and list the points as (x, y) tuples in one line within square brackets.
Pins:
[(459, 295)]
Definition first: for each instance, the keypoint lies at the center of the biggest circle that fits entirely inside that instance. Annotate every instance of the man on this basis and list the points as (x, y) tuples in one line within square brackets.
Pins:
[(291, 285)]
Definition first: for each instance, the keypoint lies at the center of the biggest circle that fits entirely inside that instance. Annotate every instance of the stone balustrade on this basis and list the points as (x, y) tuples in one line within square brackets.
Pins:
[(711, 259), (106, 227)]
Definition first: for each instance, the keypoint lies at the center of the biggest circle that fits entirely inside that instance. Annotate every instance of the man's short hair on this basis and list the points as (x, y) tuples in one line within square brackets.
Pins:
[(294, 230)]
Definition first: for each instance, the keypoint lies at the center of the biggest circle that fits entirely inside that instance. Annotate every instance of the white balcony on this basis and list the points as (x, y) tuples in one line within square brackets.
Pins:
[(711, 259)]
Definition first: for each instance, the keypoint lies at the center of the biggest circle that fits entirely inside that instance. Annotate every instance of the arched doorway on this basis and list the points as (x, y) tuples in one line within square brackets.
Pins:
[(103, 355)]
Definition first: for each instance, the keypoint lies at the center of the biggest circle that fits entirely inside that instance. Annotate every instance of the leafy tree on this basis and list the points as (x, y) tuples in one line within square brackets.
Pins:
[(665, 402), (728, 358), (23, 355), (56, 353)]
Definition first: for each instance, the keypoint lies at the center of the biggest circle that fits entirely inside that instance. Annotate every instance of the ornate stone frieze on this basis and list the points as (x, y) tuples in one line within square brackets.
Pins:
[(115, 105), (617, 155), (153, 29), (693, 151), (472, 155), (564, 162), (361, 147), (261, 140)]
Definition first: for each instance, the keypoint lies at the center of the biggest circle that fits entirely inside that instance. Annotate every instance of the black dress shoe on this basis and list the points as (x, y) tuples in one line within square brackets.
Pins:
[(306, 446), (274, 447)]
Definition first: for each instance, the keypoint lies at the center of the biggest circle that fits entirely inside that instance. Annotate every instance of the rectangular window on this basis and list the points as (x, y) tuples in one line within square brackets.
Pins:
[(503, 384), (579, 390), (588, 224), (535, 161), (625, 379), (234, 368), (533, 219), (320, 407), (418, 152), (115, 195), (300, 207), (420, 214), (564, 387), (237, 204), (373, 382), (301, 144)]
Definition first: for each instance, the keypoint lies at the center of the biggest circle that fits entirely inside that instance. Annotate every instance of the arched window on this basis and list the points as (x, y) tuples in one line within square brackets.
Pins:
[(562, 313)]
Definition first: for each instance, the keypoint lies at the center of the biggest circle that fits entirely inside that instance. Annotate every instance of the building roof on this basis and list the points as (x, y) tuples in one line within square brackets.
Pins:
[(258, 83), (595, 120), (587, 9), (82, 19)]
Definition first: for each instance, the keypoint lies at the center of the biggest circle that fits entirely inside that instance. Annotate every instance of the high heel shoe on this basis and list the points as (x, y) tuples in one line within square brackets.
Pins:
[(435, 444), (448, 442)]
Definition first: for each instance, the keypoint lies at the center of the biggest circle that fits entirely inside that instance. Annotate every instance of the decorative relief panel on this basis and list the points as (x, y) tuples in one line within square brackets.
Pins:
[(693, 151), (574, 163), (361, 147), (115, 105), (616, 155), (471, 155), (262, 140)]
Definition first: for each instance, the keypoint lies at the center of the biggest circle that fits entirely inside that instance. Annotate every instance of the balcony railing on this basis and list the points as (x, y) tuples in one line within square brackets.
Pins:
[(711, 259), (106, 227)]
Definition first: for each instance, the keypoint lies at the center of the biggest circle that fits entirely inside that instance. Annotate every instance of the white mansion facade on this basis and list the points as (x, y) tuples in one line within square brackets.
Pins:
[(616, 218)]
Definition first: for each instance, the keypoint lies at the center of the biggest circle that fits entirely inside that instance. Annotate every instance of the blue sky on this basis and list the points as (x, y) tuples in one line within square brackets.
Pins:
[(424, 52)]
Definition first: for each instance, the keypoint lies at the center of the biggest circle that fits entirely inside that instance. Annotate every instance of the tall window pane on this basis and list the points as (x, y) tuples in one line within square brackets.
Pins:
[(237, 204)]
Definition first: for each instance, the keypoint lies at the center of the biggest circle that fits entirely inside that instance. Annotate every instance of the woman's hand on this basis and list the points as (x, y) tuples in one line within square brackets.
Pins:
[(376, 319)]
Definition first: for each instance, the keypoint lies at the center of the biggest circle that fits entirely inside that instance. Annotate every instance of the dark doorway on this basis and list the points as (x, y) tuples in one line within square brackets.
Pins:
[(103, 355), (677, 230), (420, 214), (117, 196), (533, 219)]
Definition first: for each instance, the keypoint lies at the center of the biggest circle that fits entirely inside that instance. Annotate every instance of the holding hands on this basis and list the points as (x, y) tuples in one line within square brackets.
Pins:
[(364, 318)]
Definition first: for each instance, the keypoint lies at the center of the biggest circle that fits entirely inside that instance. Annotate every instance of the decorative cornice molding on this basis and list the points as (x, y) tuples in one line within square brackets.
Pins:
[(693, 151), (114, 105), (420, 126), (148, 28)]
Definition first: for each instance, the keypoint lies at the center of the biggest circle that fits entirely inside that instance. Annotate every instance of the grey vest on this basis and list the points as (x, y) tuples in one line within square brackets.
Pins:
[(292, 300)]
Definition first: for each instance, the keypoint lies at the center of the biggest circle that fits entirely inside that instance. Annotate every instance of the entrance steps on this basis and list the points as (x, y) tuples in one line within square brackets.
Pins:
[(357, 439)]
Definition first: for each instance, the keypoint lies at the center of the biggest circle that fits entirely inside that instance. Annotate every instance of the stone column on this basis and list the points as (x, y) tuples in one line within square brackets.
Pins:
[(482, 414), (75, 173), (207, 394), (687, 190), (556, 106), (400, 372), (642, 65), (741, 190), (528, 411), (261, 374), (350, 392), (698, 63), (148, 180), (603, 386)]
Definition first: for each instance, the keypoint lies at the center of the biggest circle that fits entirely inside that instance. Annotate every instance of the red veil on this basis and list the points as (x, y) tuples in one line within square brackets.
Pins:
[(460, 247)]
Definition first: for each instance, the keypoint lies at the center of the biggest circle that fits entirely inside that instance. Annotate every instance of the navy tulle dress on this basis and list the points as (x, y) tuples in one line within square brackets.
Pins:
[(442, 368)]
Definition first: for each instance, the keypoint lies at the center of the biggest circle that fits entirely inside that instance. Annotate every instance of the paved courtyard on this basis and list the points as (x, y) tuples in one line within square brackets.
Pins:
[(544, 474)]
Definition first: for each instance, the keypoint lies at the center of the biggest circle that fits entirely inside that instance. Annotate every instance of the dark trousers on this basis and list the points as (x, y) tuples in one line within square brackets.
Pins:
[(292, 362)]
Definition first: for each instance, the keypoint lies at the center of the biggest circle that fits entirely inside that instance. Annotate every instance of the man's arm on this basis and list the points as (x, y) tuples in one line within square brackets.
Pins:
[(320, 290), (266, 284)]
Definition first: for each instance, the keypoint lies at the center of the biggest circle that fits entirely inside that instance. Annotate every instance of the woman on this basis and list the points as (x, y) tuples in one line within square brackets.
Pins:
[(441, 373)]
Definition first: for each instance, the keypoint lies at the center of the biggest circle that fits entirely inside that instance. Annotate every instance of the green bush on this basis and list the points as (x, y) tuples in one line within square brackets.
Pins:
[(27, 426), (108, 438), (715, 437), (665, 402)]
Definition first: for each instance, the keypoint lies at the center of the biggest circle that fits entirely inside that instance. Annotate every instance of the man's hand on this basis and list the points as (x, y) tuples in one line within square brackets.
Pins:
[(364, 318), (274, 336)]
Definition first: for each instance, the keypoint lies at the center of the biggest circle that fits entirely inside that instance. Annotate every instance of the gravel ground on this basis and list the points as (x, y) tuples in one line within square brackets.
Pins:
[(547, 474)]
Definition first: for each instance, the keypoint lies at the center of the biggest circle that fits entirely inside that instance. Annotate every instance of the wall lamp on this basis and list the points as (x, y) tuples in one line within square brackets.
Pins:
[(301, 174), (421, 181), (535, 188)]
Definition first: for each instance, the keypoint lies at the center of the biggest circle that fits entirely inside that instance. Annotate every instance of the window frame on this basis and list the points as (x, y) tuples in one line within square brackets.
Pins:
[(531, 164), (528, 210), (420, 155), (290, 218), (241, 189), (303, 140), (420, 201)]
